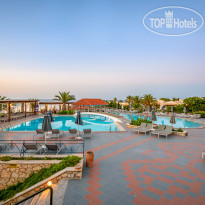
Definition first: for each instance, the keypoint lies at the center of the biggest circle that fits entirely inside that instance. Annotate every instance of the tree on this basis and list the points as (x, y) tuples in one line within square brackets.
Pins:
[(175, 99), (148, 100), (115, 100), (2, 98), (194, 104), (165, 99), (32, 105), (129, 99), (64, 97)]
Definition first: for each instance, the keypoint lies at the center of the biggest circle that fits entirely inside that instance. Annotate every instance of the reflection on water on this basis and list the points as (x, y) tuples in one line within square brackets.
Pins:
[(94, 122)]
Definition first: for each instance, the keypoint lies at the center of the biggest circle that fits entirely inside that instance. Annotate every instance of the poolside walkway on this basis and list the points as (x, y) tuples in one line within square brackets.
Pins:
[(140, 169)]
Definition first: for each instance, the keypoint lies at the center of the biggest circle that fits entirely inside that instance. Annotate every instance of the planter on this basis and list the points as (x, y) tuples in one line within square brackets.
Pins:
[(185, 133), (131, 126), (78, 167), (89, 158)]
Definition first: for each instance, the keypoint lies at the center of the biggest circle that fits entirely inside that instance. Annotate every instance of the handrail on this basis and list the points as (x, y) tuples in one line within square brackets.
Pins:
[(42, 190)]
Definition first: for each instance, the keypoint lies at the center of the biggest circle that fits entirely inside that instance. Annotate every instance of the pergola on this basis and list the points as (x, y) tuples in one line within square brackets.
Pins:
[(23, 105), (87, 103), (53, 103)]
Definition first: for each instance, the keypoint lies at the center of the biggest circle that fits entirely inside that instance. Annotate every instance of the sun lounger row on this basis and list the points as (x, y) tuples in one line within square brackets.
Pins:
[(144, 128), (43, 149), (87, 133), (162, 130)]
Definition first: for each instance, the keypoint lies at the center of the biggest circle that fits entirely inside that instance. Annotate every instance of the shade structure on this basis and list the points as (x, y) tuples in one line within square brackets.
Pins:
[(78, 120), (153, 116), (172, 109), (51, 116), (172, 119), (46, 125)]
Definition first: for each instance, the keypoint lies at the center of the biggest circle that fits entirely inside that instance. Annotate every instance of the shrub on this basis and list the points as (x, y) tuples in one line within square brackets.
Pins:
[(34, 178), (66, 112), (202, 113), (8, 158), (139, 121), (180, 130)]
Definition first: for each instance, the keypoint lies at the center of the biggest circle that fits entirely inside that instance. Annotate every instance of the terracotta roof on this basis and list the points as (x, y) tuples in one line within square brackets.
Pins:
[(91, 102)]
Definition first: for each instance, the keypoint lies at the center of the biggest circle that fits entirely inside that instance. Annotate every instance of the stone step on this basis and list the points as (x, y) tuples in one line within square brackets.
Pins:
[(60, 192), (35, 199), (47, 202), (43, 197), (28, 202)]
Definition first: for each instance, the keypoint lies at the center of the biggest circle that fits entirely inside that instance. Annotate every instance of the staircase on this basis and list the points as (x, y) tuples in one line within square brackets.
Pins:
[(44, 197)]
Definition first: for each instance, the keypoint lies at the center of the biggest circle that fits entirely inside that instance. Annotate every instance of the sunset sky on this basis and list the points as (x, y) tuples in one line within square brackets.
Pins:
[(96, 49)]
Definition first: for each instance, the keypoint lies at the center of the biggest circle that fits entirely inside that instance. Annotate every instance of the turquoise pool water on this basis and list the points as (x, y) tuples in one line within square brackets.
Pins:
[(90, 121), (180, 123)]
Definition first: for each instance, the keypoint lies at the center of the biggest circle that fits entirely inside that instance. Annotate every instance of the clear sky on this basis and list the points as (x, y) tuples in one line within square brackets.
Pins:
[(96, 49)]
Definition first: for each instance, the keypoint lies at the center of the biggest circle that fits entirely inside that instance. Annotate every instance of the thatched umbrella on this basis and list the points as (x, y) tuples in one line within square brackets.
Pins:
[(78, 121), (172, 119), (46, 125)]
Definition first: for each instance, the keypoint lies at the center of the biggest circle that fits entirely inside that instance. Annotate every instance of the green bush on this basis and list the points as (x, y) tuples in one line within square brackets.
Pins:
[(202, 113), (34, 178), (66, 112), (139, 121), (8, 158), (180, 130)]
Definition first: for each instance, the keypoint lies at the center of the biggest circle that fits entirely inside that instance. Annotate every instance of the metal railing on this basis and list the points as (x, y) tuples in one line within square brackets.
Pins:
[(42, 190), (10, 147)]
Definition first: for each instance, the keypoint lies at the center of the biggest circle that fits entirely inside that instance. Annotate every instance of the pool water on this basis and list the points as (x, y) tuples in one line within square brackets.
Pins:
[(180, 123), (90, 121)]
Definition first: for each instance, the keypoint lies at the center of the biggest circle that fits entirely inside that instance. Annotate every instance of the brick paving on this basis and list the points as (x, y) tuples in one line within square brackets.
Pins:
[(140, 169)]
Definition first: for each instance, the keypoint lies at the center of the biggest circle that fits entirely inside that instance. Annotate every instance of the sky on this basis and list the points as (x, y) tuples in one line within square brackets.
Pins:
[(96, 49)]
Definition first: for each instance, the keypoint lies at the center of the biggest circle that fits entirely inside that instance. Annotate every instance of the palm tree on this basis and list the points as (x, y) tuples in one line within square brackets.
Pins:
[(64, 97), (129, 99), (148, 100), (115, 100), (3, 98), (136, 99)]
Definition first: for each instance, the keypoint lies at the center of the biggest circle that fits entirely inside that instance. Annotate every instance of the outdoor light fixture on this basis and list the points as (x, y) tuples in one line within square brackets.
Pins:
[(49, 183)]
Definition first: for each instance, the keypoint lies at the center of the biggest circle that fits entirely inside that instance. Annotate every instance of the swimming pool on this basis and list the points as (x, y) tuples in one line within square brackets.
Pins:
[(90, 121), (180, 123)]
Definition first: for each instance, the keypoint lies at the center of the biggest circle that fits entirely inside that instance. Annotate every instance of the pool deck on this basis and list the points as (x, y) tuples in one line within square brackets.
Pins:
[(132, 168), (139, 169)]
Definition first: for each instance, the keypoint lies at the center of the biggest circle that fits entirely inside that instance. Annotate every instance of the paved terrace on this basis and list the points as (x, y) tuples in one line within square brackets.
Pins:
[(139, 169)]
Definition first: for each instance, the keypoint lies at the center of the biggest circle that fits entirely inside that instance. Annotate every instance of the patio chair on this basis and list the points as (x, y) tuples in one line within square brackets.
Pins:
[(167, 131), (73, 132), (31, 146), (5, 146), (158, 131), (56, 132), (87, 133), (144, 128), (39, 132), (55, 147)]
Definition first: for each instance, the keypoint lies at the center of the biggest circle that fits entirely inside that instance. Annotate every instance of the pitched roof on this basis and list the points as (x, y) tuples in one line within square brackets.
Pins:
[(91, 102)]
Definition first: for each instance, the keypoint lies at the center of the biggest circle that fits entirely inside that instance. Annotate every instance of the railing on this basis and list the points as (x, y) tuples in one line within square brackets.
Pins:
[(10, 147), (42, 190)]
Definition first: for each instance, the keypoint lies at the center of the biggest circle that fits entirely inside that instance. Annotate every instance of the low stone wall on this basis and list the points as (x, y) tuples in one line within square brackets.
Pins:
[(184, 133), (67, 173), (13, 171)]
